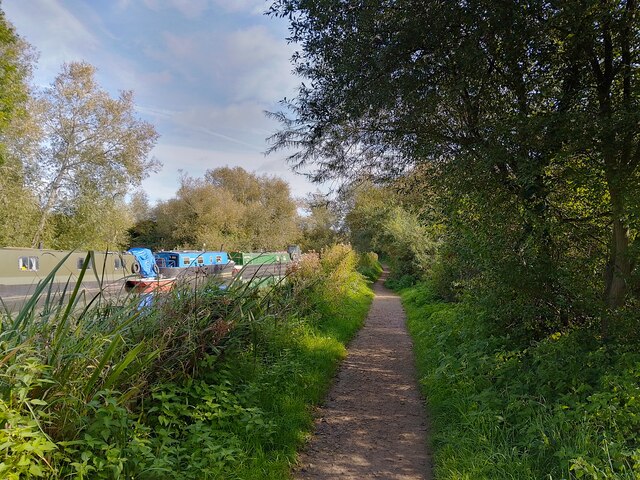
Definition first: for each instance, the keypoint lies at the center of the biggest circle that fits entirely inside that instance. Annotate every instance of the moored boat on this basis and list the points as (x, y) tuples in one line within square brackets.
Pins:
[(150, 280), (149, 285), (249, 265), (185, 264), (21, 269)]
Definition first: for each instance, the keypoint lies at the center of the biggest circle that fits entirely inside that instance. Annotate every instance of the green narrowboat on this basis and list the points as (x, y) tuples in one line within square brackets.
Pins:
[(250, 265)]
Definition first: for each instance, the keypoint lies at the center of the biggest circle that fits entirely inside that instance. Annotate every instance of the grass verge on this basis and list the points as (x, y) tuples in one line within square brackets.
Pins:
[(204, 384), (563, 408)]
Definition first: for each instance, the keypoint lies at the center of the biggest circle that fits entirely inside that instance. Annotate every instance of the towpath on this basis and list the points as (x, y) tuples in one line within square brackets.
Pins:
[(373, 424)]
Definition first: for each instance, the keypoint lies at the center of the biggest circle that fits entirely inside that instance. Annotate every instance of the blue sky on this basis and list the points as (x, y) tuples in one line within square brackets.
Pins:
[(203, 72)]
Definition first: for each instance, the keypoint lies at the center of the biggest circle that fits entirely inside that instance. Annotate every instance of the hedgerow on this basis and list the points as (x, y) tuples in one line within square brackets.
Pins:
[(564, 407)]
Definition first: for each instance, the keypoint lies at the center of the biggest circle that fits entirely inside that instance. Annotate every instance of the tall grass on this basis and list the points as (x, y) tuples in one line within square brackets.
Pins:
[(203, 383), (563, 408)]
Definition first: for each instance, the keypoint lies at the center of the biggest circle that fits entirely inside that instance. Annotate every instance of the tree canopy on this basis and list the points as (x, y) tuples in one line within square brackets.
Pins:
[(229, 209), (15, 70), (527, 111), (17, 204), (91, 146)]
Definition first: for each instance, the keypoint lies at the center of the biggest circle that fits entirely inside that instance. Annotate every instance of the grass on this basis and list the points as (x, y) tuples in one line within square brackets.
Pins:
[(562, 408), (203, 384)]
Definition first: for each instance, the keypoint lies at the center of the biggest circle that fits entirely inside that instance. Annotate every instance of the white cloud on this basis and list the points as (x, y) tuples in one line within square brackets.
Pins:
[(190, 8), (255, 7), (123, 4), (260, 63), (48, 23), (246, 64), (246, 117)]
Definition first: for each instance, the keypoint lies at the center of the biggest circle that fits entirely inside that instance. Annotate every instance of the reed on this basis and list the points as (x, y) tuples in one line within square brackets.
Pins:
[(106, 386)]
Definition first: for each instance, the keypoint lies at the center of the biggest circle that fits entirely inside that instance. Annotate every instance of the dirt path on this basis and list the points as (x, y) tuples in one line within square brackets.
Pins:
[(373, 423)]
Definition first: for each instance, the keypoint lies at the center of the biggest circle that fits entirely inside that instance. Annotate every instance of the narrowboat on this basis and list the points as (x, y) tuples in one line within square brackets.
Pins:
[(21, 269), (149, 280), (248, 265), (187, 264), (150, 285)]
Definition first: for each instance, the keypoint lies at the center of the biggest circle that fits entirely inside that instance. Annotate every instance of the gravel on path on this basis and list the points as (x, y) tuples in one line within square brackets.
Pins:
[(373, 424)]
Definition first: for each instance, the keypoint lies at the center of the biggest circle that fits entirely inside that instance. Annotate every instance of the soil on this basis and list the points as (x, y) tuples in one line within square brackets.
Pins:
[(373, 424)]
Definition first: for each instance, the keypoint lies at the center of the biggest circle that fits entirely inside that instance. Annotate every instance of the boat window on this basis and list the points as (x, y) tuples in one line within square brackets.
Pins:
[(160, 262), (200, 260), (211, 259), (186, 260), (30, 264), (118, 263), (219, 259), (81, 263)]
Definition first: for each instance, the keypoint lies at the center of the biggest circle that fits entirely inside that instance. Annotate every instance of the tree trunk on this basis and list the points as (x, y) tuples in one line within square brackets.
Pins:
[(51, 200), (618, 266)]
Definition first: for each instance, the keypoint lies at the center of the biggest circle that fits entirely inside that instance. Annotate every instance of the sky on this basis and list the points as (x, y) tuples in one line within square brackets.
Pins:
[(202, 71)]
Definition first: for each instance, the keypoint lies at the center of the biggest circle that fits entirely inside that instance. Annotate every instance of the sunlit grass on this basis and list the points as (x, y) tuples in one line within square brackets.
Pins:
[(202, 383), (562, 408)]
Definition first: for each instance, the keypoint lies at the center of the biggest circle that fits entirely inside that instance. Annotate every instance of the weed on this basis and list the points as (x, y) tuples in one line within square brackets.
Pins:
[(564, 407)]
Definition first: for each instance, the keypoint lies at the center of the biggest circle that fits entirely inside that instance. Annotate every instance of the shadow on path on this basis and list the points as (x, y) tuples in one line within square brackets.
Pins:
[(373, 423)]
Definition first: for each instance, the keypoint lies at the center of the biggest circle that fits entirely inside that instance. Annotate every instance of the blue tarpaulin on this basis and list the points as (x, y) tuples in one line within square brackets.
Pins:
[(146, 261)]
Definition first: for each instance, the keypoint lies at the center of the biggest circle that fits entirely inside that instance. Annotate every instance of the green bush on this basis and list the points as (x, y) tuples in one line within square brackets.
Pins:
[(563, 407), (203, 384), (369, 266)]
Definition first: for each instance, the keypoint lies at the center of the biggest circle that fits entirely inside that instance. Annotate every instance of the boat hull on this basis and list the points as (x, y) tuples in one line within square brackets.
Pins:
[(149, 285)]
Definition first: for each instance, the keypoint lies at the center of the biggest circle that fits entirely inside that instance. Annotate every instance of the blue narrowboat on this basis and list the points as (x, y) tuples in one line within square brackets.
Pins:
[(192, 263)]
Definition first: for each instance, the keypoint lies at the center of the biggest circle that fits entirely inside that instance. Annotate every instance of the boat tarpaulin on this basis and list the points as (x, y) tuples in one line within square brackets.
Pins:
[(146, 260)]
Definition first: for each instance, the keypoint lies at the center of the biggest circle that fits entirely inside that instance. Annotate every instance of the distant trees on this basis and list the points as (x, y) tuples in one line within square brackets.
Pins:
[(229, 208), (379, 222), (320, 224)]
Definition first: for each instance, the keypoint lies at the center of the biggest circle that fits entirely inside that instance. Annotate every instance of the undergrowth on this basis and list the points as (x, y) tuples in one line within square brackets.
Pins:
[(369, 266), (562, 408), (203, 384)]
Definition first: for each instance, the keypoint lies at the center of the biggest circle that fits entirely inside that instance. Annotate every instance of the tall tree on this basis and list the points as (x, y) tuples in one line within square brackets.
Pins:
[(17, 203), (269, 218), (507, 98), (230, 208), (91, 142)]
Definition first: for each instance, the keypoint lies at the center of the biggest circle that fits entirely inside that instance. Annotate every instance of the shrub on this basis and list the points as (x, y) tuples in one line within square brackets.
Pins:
[(562, 407), (369, 266), (201, 384)]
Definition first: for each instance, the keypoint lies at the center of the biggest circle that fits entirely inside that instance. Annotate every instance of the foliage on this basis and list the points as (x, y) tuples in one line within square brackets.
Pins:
[(563, 407), (379, 221), (320, 224), (203, 383), (83, 226), (18, 206), (15, 69), (92, 146), (523, 115), (229, 209), (369, 266)]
